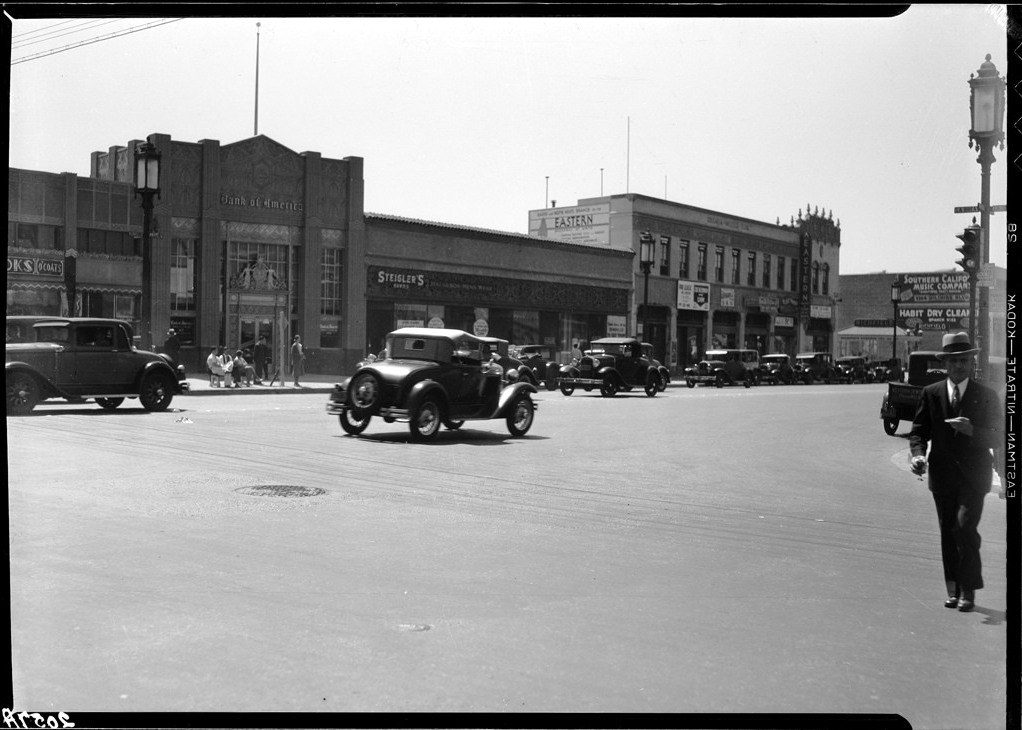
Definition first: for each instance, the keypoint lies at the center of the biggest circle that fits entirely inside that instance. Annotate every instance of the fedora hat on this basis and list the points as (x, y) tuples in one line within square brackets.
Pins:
[(956, 344)]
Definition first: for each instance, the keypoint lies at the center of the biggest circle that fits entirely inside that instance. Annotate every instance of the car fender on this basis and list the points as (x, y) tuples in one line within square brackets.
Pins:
[(612, 371), (885, 409), (509, 395), (569, 371), (46, 386), (425, 388), (158, 366)]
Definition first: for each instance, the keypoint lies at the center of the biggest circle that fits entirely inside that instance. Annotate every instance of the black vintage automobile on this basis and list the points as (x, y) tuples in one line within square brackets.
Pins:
[(513, 368), (540, 359), (612, 364), (775, 369), (665, 373), (84, 358), (431, 378), (852, 369), (718, 373)]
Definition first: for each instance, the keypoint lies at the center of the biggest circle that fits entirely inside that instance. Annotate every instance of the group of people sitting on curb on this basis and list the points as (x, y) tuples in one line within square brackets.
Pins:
[(231, 372)]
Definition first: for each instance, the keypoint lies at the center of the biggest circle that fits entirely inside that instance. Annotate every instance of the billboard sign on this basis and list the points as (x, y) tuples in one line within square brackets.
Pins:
[(586, 225), (694, 295)]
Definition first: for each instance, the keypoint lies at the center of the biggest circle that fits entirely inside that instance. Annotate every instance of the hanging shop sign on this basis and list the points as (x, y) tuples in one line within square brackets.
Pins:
[(694, 295)]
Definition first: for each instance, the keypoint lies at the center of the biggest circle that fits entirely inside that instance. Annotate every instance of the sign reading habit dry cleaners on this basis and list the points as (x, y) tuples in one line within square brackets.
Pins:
[(244, 201)]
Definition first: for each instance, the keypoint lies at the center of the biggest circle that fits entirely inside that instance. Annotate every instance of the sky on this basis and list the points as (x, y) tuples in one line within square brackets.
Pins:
[(475, 121)]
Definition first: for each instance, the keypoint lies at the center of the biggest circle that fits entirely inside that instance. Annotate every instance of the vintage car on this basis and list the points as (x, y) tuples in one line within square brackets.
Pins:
[(717, 372), (852, 369), (665, 374), (776, 368), (540, 359), (498, 351), (84, 358), (431, 378), (811, 367), (612, 364), (902, 399)]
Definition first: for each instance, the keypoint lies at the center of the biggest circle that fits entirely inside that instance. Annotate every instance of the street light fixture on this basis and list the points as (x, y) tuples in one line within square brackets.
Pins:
[(147, 186), (895, 299), (646, 252), (986, 106)]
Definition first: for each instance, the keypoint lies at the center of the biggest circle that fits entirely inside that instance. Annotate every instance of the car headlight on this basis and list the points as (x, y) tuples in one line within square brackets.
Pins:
[(512, 374)]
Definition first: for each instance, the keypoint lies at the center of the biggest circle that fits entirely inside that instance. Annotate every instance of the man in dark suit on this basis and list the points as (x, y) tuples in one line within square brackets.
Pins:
[(962, 421)]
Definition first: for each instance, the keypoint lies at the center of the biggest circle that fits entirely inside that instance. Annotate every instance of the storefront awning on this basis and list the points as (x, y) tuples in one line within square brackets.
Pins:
[(871, 332)]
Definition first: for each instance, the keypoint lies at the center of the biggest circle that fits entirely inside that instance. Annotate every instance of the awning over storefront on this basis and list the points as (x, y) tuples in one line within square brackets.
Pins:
[(871, 332)]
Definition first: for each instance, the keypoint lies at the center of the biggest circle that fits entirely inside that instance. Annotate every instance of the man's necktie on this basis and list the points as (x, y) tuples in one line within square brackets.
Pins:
[(954, 400)]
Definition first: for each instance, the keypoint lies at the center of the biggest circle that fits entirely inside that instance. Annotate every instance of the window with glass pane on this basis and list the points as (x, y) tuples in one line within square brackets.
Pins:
[(182, 274), (793, 279), (751, 276), (766, 270), (243, 254), (780, 272), (701, 264), (683, 260), (816, 277), (718, 264), (330, 281), (665, 255), (736, 263), (826, 278)]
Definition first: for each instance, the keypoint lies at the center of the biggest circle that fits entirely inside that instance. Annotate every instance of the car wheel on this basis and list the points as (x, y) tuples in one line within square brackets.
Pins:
[(690, 383), (608, 388), (425, 421), (890, 426), (352, 424), (665, 380), (519, 420), (720, 380), (363, 393), (453, 425), (551, 384), (22, 394), (156, 392), (567, 389), (652, 384), (109, 403)]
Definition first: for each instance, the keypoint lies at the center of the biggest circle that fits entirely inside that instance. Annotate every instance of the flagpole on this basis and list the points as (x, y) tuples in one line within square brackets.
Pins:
[(256, 132)]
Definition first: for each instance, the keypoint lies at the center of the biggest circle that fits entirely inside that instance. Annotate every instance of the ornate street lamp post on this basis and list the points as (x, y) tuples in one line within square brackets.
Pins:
[(986, 104), (147, 185), (646, 264)]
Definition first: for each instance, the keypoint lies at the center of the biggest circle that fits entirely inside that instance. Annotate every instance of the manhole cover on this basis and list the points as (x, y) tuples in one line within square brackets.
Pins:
[(282, 490)]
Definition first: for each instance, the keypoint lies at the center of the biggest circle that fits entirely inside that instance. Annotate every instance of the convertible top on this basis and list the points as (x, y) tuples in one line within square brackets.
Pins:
[(434, 333)]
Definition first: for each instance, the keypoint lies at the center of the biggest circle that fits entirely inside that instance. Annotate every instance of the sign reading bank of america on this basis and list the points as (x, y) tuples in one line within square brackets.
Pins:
[(586, 225)]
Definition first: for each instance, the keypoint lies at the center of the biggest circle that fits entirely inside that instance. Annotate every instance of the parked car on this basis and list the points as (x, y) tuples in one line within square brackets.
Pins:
[(665, 373), (776, 368), (514, 369), (717, 372), (902, 399), (84, 358), (540, 359), (742, 364), (879, 370), (431, 378), (852, 369), (811, 367), (612, 364)]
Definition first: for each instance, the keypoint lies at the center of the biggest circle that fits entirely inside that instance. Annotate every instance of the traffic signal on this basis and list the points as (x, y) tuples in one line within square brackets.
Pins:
[(969, 250)]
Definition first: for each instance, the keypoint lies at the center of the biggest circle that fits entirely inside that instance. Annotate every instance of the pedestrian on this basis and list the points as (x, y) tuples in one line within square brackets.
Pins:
[(576, 351), (172, 346), (297, 360), (215, 367), (242, 372), (961, 421), (261, 356)]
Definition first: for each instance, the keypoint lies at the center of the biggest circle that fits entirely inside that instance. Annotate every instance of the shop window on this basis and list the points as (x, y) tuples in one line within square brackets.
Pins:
[(108, 243), (329, 333), (330, 289), (182, 274)]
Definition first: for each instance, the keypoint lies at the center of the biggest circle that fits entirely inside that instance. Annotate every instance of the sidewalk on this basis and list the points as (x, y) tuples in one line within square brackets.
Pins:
[(310, 384)]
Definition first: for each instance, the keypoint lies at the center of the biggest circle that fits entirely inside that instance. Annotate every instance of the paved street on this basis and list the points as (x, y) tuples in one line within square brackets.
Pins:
[(733, 550)]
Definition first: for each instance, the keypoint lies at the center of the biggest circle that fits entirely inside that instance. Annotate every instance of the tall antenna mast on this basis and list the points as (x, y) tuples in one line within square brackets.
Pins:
[(256, 132), (628, 157)]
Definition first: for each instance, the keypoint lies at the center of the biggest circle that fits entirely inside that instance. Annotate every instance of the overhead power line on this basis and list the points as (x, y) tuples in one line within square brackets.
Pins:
[(136, 29)]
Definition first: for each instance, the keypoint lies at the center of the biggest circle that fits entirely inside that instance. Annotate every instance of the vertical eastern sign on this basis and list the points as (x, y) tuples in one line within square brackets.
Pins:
[(805, 275), (586, 225)]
